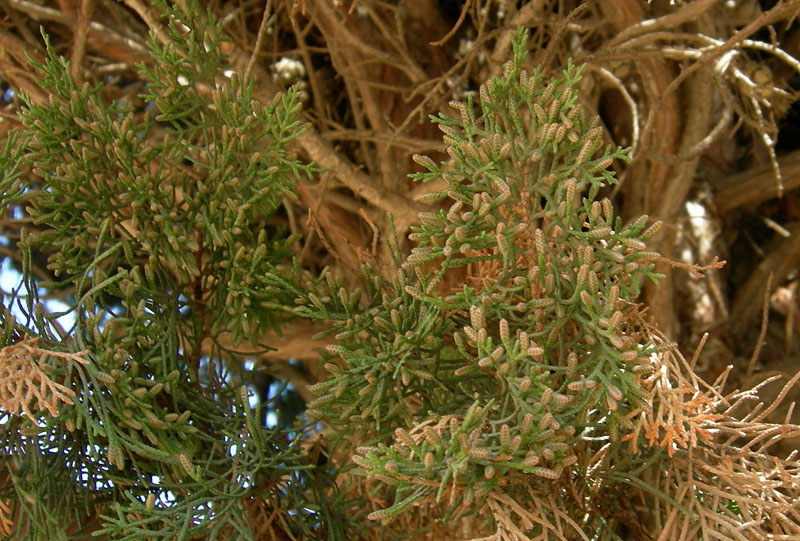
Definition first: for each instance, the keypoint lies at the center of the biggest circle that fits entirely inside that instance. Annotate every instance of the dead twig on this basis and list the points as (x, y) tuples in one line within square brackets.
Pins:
[(452, 32), (79, 45), (695, 270), (144, 12), (763, 332), (262, 30)]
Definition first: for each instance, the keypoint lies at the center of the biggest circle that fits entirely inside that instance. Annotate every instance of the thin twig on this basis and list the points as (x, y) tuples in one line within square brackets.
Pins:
[(374, 231), (143, 12), (262, 30), (701, 146), (628, 99), (697, 351), (316, 93), (763, 332), (455, 28), (322, 189), (555, 39)]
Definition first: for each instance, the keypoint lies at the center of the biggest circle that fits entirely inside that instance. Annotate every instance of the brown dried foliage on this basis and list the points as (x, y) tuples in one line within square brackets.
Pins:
[(25, 386)]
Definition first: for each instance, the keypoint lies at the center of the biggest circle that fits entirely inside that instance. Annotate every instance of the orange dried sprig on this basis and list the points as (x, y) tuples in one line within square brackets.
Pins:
[(25, 385)]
